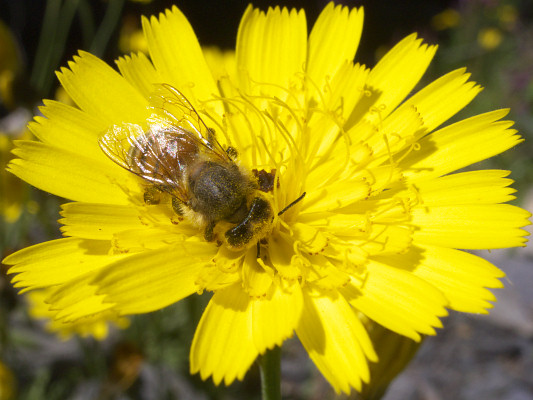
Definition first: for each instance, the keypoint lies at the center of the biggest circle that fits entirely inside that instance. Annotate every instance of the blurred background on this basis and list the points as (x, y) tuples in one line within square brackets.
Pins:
[(146, 357)]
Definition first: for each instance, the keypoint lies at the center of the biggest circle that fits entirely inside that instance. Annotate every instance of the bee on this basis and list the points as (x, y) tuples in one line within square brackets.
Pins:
[(177, 154)]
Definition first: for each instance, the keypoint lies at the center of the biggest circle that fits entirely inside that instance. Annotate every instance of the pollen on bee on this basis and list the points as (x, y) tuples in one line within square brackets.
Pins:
[(176, 219)]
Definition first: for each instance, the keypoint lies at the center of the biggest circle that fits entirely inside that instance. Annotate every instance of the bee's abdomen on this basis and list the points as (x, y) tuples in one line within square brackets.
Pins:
[(218, 190)]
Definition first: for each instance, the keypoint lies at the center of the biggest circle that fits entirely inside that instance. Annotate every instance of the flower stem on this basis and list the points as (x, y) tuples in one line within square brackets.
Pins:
[(270, 367)]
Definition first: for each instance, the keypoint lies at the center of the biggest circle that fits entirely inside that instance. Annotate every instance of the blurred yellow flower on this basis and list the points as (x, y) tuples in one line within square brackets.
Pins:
[(446, 19), (131, 37), (14, 193), (489, 38), (376, 233), (508, 15), (10, 64), (7, 383)]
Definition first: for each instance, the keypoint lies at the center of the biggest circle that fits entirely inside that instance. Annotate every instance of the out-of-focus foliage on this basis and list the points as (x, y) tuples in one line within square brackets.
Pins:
[(493, 40)]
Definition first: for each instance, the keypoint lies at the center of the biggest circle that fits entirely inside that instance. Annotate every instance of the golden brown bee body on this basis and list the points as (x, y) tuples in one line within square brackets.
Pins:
[(178, 154)]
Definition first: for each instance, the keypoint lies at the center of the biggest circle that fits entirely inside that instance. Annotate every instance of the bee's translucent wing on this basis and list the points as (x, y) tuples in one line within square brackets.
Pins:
[(117, 142), (154, 156), (170, 104)]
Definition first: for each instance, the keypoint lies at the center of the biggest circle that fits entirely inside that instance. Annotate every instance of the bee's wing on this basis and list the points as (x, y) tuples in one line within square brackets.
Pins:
[(170, 104), (151, 156), (117, 142)]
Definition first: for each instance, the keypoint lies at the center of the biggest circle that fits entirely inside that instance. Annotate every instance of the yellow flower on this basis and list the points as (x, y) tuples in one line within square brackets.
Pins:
[(10, 65), (489, 38), (446, 19), (376, 233), (96, 325), (7, 383), (14, 198)]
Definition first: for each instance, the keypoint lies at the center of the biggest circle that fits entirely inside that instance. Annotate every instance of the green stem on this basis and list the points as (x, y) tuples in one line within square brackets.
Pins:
[(57, 21), (270, 367), (46, 40), (87, 23), (107, 27)]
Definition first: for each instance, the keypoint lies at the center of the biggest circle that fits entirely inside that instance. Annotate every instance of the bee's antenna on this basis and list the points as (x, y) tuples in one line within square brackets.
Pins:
[(293, 203)]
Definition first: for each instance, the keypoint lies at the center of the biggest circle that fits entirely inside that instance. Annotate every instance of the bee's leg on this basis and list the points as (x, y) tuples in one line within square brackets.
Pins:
[(208, 234), (152, 195), (232, 152), (177, 206), (259, 216), (260, 242), (211, 136)]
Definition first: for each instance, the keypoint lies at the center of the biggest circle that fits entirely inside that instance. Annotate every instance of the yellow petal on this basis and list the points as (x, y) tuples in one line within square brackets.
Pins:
[(385, 239), (336, 195), (275, 317), (347, 257), (443, 98), (123, 224), (336, 341), (333, 41), (346, 88), (462, 277), (96, 326), (77, 299), (154, 279), (323, 142), (271, 50), (177, 55), (69, 128), (221, 63), (139, 71), (397, 131), (309, 239), (337, 224), (283, 258), (223, 346), (459, 145), (401, 68), (256, 281), (212, 278), (99, 90), (70, 175), (481, 226), (97, 221), (57, 261), (395, 298), (473, 187), (325, 273), (147, 238)]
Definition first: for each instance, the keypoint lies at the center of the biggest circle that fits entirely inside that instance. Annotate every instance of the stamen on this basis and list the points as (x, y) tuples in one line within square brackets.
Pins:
[(413, 147), (287, 136), (318, 91), (244, 99), (220, 128), (287, 90)]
